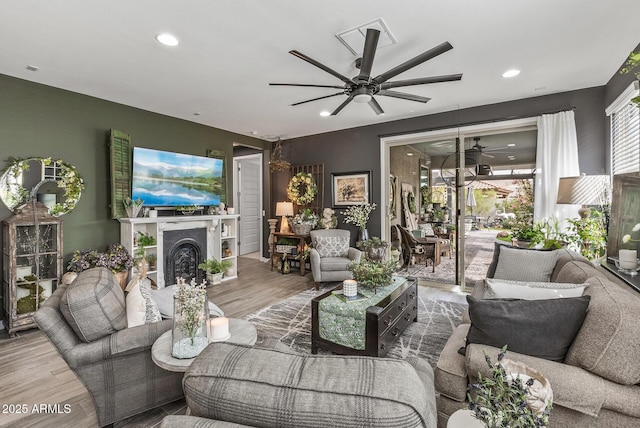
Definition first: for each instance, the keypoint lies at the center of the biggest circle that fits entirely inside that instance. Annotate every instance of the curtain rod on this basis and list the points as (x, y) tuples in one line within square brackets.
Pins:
[(479, 122)]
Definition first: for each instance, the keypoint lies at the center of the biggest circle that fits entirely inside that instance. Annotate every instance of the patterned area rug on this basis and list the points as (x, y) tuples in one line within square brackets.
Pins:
[(478, 254), (290, 322)]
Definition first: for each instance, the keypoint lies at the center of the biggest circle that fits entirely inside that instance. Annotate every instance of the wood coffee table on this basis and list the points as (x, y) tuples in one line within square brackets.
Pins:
[(242, 333), (385, 318)]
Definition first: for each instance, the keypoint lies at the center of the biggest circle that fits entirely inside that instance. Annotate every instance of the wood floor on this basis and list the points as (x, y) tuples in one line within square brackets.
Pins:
[(32, 372)]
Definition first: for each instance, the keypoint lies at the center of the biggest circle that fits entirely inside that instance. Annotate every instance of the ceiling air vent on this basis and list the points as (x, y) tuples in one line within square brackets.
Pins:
[(354, 38)]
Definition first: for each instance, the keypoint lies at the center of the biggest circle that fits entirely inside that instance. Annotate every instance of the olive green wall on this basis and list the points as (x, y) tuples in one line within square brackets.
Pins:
[(38, 120)]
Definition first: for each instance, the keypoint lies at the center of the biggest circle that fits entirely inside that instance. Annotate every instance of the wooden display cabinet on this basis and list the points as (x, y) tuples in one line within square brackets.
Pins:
[(32, 263)]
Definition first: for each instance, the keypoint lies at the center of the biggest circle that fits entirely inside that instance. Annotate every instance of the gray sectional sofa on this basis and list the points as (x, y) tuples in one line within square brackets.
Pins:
[(231, 385), (598, 382)]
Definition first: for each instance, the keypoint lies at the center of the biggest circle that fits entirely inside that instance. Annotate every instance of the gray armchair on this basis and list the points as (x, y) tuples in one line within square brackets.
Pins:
[(86, 322), (330, 255)]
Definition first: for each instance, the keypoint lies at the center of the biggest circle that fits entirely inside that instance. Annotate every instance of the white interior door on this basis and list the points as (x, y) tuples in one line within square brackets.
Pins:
[(248, 199)]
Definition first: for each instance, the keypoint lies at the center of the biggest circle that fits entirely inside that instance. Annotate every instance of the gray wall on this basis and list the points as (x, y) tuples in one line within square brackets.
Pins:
[(358, 149), (38, 120)]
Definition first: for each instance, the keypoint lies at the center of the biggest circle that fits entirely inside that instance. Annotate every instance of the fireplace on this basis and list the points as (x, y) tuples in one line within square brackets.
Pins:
[(183, 251)]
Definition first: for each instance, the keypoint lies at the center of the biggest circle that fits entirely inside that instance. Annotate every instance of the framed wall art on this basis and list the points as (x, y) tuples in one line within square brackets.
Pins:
[(350, 188)]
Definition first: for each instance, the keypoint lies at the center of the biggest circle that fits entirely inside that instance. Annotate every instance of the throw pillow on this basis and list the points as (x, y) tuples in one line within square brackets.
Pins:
[(540, 328), (496, 254), (143, 309), (505, 289), (136, 306), (525, 265), (94, 305), (427, 229), (331, 246)]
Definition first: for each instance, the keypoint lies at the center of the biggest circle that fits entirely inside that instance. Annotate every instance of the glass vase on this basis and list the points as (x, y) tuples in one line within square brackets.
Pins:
[(363, 234), (189, 332)]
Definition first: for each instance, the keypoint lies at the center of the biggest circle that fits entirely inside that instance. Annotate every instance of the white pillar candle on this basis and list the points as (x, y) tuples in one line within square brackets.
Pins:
[(350, 288), (628, 259), (218, 329)]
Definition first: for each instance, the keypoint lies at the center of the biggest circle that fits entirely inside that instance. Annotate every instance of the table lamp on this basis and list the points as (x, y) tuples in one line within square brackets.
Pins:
[(284, 210), (583, 190)]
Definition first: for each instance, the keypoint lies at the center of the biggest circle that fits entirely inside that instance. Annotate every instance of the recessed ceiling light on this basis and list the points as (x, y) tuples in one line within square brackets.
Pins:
[(325, 113), (409, 154), (511, 145), (511, 73), (167, 39)]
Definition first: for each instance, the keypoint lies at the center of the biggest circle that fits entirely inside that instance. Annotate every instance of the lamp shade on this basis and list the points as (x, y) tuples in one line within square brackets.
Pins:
[(284, 208), (584, 190)]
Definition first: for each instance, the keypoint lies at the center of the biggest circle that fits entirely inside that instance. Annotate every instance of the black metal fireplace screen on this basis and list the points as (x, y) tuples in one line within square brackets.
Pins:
[(183, 251)]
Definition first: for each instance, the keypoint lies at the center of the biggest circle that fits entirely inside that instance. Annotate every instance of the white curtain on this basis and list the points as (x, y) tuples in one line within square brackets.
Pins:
[(556, 156)]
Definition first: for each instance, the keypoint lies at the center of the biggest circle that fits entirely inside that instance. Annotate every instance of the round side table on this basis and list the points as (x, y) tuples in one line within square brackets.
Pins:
[(242, 333), (463, 418)]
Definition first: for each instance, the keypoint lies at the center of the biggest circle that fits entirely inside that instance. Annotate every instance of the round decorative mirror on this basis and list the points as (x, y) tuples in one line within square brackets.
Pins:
[(55, 184)]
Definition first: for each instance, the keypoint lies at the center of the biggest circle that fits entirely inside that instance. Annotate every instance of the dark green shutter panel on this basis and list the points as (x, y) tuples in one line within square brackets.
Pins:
[(120, 153)]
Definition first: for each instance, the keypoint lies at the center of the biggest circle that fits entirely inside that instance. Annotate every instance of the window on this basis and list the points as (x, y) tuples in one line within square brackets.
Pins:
[(625, 132)]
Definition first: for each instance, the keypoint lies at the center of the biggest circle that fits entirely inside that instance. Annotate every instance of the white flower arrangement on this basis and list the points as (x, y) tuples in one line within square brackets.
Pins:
[(358, 214), (627, 238), (190, 315)]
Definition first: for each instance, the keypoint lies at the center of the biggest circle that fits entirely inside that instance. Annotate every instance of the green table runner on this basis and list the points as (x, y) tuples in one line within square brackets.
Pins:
[(344, 322)]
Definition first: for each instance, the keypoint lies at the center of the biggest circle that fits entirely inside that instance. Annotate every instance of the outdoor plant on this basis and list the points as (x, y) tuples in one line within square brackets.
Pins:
[(214, 265), (588, 235), (506, 400), (633, 61), (547, 234), (358, 214)]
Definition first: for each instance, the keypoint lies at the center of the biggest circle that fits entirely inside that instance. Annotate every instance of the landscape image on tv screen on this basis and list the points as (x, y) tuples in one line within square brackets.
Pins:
[(174, 179)]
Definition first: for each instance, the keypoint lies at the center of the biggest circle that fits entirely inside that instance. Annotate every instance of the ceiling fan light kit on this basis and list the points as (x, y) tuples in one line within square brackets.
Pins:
[(363, 88)]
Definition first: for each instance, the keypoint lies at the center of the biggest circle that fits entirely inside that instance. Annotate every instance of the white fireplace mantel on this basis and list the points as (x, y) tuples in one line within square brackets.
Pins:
[(222, 231)]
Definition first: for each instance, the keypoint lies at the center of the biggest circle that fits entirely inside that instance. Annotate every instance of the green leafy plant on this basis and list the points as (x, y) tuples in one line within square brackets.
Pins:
[(503, 400), (373, 242), (588, 235), (305, 216), (145, 240), (373, 273), (633, 61), (215, 266)]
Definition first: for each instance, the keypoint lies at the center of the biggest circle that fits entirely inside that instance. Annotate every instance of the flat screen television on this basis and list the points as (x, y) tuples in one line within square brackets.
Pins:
[(174, 179)]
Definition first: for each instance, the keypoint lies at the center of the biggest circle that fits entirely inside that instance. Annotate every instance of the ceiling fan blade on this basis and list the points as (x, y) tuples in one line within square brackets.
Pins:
[(306, 85), (375, 106), (316, 99), (321, 66), (425, 56), (341, 106), (421, 81), (404, 96), (368, 54)]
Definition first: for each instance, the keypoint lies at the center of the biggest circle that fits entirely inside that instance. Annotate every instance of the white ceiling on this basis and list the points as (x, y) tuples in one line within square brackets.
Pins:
[(230, 50)]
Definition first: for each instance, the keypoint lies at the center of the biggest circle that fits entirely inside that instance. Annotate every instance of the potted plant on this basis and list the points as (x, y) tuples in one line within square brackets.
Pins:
[(215, 269), (589, 235), (374, 248), (373, 273), (328, 220), (145, 240), (117, 259), (304, 221)]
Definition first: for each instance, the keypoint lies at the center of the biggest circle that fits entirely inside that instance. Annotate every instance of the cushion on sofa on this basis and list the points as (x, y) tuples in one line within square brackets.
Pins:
[(331, 246), (265, 387), (526, 290), (451, 371), (577, 271), (609, 341), (524, 325), (141, 307), (565, 256), (94, 305), (525, 265), (496, 255)]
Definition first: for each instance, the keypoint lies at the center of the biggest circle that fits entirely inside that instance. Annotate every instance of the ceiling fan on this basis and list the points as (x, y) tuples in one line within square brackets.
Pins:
[(362, 88)]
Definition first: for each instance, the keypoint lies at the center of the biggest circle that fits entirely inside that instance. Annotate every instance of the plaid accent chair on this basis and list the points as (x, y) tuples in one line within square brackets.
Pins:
[(86, 322)]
